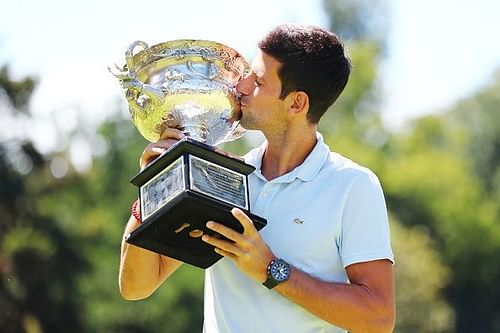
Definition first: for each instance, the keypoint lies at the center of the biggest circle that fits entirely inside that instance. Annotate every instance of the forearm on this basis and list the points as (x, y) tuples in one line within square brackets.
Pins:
[(351, 306), (142, 271)]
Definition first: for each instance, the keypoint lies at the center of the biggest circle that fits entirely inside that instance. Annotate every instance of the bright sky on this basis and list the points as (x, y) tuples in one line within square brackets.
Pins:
[(439, 50)]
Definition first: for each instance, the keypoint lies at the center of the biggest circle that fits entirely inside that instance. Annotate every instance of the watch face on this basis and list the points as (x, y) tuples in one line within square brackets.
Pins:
[(279, 270)]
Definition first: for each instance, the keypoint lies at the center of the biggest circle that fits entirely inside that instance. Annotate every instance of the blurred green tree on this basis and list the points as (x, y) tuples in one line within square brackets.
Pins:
[(176, 307), (39, 262), (442, 175), (476, 122), (354, 128), (420, 280)]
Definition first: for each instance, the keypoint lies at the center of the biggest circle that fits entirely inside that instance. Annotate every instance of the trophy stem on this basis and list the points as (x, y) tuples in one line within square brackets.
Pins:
[(196, 131)]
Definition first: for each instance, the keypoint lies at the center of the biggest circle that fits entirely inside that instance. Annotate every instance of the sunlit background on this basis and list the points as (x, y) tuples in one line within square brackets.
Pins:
[(436, 51), (422, 110)]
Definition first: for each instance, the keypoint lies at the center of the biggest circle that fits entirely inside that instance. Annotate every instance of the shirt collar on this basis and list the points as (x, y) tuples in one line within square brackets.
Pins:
[(305, 171)]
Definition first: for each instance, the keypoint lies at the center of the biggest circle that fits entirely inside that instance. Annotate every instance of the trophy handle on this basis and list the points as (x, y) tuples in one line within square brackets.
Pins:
[(135, 88), (129, 53), (118, 72), (127, 73), (129, 81)]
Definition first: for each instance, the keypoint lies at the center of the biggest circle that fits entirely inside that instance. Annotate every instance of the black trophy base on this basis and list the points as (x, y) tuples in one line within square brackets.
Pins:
[(176, 229)]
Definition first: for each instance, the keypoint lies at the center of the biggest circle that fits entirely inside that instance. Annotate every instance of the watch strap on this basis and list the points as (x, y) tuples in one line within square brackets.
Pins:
[(270, 282)]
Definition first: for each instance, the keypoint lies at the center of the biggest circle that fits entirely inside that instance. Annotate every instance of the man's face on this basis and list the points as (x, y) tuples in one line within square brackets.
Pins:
[(261, 107)]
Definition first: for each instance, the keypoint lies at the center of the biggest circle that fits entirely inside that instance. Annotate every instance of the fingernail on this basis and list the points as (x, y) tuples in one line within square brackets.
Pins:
[(204, 238), (210, 224)]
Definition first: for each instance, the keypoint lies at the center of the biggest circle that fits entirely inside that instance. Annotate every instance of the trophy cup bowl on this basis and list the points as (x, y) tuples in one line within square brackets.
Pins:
[(189, 85)]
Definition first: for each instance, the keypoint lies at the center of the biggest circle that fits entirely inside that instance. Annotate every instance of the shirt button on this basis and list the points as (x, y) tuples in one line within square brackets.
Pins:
[(265, 194)]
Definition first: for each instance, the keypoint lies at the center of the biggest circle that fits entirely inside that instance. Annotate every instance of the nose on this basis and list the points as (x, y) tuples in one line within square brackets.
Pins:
[(244, 86)]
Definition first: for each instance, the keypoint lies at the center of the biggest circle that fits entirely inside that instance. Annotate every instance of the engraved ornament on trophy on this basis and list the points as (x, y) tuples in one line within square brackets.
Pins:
[(190, 85)]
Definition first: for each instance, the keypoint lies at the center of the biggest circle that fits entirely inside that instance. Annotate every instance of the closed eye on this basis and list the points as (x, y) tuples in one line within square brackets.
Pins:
[(258, 81)]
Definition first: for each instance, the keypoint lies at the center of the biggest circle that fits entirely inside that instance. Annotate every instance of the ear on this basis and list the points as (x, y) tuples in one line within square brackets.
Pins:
[(299, 102)]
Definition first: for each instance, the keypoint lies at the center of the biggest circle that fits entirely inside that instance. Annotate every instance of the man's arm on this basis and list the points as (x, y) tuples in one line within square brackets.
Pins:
[(365, 305), (142, 271)]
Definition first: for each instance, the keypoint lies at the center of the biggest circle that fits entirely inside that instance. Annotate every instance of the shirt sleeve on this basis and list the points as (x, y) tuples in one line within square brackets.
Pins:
[(365, 234)]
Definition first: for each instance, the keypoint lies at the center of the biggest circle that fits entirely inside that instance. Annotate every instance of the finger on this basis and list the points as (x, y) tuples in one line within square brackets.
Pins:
[(225, 253), (168, 138), (149, 156), (227, 232), (222, 244), (153, 150), (163, 143), (245, 221), (172, 133)]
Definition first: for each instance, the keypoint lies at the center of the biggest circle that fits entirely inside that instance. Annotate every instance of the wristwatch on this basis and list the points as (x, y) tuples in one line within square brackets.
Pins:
[(278, 271)]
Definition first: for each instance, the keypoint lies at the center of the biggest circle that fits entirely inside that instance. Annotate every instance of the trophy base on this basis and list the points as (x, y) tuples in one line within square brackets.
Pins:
[(175, 230), (187, 186)]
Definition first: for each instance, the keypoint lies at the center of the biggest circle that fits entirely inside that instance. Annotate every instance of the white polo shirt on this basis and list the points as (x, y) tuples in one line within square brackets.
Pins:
[(323, 216)]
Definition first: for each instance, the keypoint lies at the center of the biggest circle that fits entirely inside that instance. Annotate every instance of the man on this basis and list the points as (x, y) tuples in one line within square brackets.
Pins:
[(324, 257)]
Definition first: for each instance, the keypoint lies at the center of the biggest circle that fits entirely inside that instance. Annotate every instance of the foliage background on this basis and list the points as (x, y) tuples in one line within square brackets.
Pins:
[(60, 228)]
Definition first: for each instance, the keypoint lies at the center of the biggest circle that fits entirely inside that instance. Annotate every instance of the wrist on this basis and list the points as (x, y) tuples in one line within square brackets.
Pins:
[(136, 211), (264, 276)]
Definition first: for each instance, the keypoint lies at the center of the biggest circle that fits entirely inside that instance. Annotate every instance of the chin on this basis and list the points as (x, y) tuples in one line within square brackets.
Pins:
[(247, 123), (243, 123)]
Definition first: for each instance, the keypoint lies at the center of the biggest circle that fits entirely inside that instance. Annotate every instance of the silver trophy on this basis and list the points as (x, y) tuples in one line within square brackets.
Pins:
[(189, 85)]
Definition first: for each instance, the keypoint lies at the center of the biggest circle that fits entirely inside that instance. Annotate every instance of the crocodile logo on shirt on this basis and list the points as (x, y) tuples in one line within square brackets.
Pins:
[(298, 221)]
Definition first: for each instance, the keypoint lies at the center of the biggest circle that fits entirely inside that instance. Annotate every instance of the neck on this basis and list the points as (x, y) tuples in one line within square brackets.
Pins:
[(287, 150)]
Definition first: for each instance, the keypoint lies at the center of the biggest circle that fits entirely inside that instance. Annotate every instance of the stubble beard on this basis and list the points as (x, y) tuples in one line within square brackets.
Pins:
[(246, 121)]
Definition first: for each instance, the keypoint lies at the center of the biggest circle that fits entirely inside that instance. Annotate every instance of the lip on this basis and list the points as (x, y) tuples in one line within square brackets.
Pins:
[(242, 103)]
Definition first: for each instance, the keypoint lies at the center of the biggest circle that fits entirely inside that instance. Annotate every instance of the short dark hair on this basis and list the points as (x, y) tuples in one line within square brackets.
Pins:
[(312, 60)]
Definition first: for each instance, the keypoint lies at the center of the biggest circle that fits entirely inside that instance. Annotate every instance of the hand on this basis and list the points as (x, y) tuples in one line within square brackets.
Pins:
[(167, 139), (248, 250)]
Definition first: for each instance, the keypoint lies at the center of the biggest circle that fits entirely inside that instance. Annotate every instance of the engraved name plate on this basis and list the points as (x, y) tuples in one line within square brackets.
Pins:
[(158, 191), (218, 182)]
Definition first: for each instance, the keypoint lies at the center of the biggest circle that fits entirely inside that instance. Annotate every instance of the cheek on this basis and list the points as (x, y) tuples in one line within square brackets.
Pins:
[(256, 91)]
